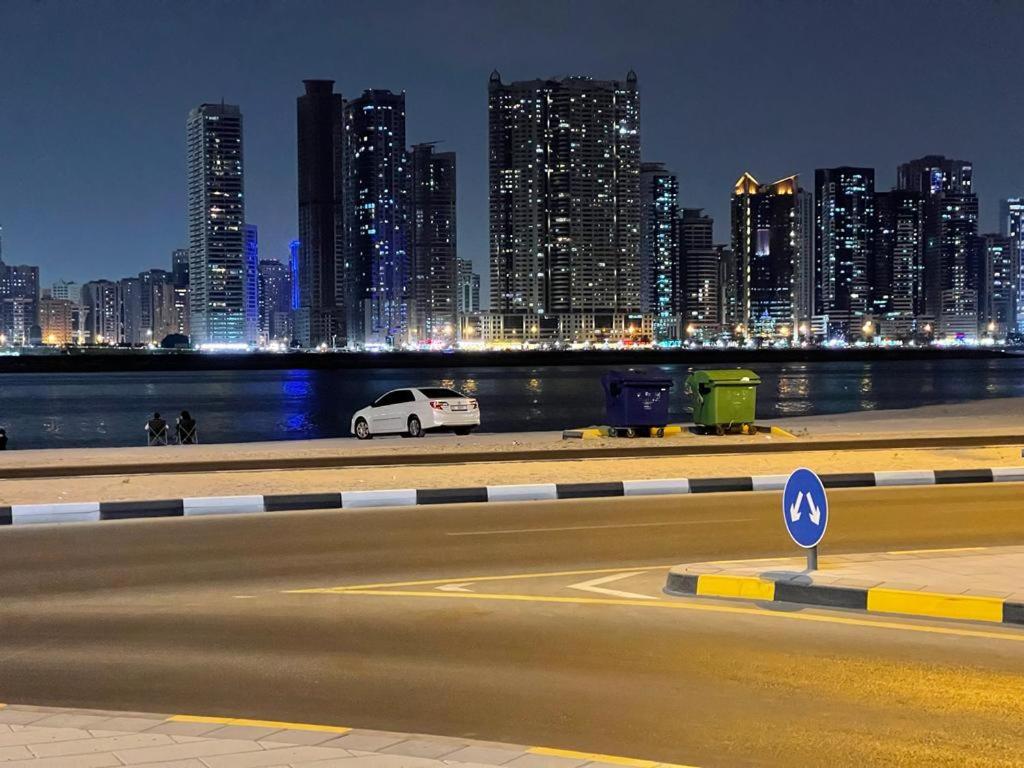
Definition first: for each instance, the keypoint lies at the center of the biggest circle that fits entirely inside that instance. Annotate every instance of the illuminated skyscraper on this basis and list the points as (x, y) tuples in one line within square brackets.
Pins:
[(376, 269), (252, 282), (844, 246), (997, 261), (432, 245), (321, 132), (661, 291), (216, 223), (699, 272), (950, 224), (564, 195), (1011, 223), (763, 222), (275, 301), (897, 276), (469, 288)]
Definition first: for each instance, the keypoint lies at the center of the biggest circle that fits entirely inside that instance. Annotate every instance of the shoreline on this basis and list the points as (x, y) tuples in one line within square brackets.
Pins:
[(132, 361)]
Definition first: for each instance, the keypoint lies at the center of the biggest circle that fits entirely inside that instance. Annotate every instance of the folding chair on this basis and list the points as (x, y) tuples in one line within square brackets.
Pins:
[(154, 437), (188, 436)]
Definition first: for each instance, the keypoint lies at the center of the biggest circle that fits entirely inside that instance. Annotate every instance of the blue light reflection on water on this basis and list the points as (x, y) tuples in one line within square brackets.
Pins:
[(71, 410)]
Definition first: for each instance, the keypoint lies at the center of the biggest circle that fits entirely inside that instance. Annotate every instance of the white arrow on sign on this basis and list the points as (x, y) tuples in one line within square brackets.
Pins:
[(814, 513), (455, 587), (594, 586), (794, 511)]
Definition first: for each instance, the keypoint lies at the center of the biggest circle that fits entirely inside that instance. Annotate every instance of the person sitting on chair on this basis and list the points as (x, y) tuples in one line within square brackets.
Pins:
[(156, 430), (186, 429)]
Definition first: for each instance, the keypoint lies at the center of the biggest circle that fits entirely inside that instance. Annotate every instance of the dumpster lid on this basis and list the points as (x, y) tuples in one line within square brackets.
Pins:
[(636, 378), (727, 377)]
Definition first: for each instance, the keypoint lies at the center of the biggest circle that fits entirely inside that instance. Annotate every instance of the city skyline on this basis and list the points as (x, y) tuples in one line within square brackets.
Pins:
[(694, 131)]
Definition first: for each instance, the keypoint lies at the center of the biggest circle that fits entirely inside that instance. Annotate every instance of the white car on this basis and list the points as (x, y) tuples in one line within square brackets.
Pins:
[(414, 412)]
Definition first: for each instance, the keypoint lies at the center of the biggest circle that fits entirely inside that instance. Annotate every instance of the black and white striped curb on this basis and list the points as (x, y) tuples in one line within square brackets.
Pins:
[(92, 511)]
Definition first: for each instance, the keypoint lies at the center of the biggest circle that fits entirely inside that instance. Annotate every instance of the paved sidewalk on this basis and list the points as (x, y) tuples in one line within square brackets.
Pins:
[(49, 737), (979, 583)]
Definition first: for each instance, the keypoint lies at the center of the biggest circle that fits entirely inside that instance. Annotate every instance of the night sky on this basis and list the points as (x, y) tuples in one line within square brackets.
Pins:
[(94, 95)]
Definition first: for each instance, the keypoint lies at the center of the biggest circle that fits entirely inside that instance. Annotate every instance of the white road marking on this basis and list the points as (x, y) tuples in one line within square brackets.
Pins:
[(461, 587), (593, 586), (596, 527)]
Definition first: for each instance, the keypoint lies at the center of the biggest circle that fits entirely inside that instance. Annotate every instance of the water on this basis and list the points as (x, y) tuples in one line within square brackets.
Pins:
[(109, 409)]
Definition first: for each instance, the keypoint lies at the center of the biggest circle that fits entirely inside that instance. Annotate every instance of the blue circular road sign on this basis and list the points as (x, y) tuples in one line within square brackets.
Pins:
[(805, 508)]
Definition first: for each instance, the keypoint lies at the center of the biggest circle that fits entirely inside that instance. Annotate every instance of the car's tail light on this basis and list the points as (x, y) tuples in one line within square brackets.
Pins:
[(473, 405), (439, 405)]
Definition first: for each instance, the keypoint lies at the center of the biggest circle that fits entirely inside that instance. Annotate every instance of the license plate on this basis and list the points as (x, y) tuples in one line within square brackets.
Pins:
[(460, 407)]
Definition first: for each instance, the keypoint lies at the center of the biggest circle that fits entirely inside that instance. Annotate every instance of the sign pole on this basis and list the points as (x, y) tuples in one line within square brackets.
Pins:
[(812, 558)]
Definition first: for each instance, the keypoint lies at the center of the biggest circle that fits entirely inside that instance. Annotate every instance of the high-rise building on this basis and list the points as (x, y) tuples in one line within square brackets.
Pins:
[(131, 328), (1011, 223), (803, 239), (179, 267), (730, 306), (844, 246), (276, 301), (469, 288), (763, 220), (216, 226), (997, 260), (101, 306), (661, 289), (433, 306), (700, 277), (153, 283), (321, 244), (376, 268), (897, 276), (19, 303), (64, 289), (564, 157), (950, 224), (252, 282), (57, 321)]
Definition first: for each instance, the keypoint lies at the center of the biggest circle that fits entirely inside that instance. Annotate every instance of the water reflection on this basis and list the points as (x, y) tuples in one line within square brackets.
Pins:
[(42, 411)]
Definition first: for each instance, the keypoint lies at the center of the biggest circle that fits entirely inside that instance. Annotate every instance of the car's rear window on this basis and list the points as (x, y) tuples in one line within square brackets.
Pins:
[(441, 392)]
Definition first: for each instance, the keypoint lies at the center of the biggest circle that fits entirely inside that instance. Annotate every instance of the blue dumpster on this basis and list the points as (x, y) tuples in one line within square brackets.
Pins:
[(636, 399)]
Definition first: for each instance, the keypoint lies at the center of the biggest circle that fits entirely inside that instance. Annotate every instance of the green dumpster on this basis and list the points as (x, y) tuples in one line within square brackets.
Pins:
[(724, 400)]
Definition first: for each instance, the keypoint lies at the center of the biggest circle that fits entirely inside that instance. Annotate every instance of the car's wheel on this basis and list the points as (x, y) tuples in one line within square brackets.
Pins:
[(415, 428), (363, 430), (463, 431)]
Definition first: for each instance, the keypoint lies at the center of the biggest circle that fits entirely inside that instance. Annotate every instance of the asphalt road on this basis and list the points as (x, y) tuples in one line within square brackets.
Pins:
[(575, 647)]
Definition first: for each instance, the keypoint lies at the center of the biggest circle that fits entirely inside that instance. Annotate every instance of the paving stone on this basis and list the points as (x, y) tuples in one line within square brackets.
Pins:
[(15, 753), (374, 761), (67, 761), (271, 757), (21, 716), (253, 732), (109, 744), (545, 761), (129, 724), (41, 735), (69, 720), (357, 740), (185, 729), (423, 748), (205, 748), (294, 736), (486, 755), (191, 762)]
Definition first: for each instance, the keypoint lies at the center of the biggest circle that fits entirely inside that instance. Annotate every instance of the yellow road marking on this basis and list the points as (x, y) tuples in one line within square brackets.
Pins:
[(692, 606), (594, 756), (749, 587), (258, 723), (935, 604), (429, 582), (931, 551)]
